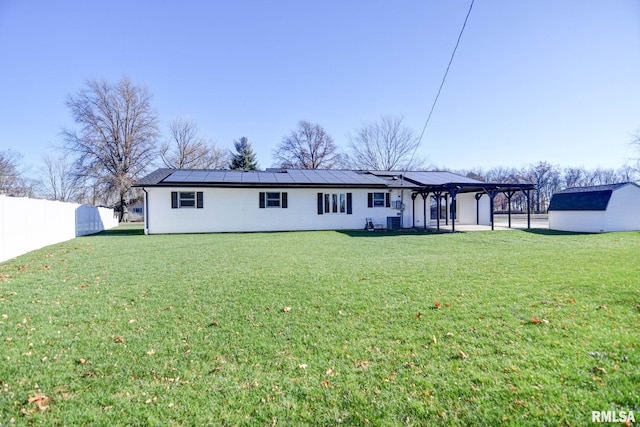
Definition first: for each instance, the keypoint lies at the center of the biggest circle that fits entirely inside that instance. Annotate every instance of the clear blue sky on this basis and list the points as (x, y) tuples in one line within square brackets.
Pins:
[(543, 80)]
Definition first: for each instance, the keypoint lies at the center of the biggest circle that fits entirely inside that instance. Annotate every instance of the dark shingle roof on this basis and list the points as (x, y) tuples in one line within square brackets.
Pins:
[(154, 177), (594, 198)]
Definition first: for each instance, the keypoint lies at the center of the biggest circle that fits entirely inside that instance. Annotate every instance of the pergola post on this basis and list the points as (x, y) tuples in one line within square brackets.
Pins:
[(509, 195), (478, 196), (528, 196), (413, 211), (438, 195), (424, 204), (492, 195), (453, 192)]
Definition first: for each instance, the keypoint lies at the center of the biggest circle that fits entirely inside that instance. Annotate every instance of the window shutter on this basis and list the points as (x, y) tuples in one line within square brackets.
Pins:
[(349, 204), (320, 204), (199, 200), (370, 200), (285, 200), (387, 200), (174, 200), (262, 200)]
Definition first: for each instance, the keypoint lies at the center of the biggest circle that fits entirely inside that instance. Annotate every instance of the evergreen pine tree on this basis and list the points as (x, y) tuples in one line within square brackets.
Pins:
[(245, 157)]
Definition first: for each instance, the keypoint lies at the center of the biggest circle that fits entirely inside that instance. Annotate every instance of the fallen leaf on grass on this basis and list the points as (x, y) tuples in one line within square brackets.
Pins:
[(462, 354), (83, 361), (326, 383), (446, 304), (437, 305), (40, 400), (362, 364), (536, 320), (151, 352), (286, 309), (599, 370), (118, 340), (418, 315), (571, 300), (390, 377), (602, 307)]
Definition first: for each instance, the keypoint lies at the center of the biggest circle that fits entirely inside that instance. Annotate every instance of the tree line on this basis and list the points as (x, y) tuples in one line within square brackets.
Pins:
[(117, 139)]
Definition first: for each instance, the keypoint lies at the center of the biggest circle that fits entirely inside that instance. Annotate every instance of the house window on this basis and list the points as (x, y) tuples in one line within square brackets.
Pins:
[(378, 200), (187, 199), (335, 203), (338, 203), (273, 200)]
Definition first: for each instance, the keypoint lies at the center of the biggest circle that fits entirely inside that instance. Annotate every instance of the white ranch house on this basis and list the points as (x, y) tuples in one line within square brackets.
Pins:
[(205, 201), (596, 209)]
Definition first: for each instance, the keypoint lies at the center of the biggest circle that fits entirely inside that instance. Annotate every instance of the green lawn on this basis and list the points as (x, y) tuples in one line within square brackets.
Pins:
[(321, 328)]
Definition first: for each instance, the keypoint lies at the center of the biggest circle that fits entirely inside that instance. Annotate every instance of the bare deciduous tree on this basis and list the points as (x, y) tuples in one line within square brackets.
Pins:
[(386, 144), (628, 173), (9, 172), (187, 149), (635, 143), (308, 147), (116, 139), (57, 181)]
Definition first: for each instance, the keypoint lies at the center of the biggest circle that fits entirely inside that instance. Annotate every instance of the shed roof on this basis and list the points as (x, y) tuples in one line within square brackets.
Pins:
[(592, 198)]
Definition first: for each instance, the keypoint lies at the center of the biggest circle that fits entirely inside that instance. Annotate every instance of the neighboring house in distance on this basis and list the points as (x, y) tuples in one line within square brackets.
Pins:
[(597, 209), (135, 212), (203, 201)]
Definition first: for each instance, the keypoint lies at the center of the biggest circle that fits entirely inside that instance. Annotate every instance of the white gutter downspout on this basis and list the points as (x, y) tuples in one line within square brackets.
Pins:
[(146, 211), (401, 202)]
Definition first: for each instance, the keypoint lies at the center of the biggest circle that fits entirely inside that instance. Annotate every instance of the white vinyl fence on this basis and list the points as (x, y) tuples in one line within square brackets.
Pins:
[(29, 224)]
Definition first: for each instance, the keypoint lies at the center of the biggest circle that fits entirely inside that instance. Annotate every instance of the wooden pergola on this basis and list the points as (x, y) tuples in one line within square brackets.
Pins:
[(453, 189)]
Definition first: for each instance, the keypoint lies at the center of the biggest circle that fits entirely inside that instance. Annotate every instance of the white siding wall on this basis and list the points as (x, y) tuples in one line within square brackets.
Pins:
[(623, 211), (237, 209), (578, 221), (467, 209)]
